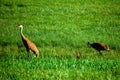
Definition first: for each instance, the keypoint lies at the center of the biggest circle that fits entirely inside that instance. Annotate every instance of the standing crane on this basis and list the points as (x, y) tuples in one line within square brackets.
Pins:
[(29, 45), (99, 46), (78, 55)]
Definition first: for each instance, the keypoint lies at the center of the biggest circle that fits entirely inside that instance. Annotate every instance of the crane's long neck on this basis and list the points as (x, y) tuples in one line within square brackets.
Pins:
[(21, 29), (22, 35)]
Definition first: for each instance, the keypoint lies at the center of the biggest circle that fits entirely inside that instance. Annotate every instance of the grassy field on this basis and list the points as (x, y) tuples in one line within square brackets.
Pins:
[(60, 29)]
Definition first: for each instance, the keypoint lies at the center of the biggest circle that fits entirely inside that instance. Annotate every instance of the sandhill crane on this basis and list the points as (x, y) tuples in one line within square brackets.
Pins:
[(29, 45), (99, 46), (78, 55)]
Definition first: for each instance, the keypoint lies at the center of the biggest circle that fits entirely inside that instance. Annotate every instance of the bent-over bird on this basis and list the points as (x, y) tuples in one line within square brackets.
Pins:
[(77, 55), (29, 45), (99, 46)]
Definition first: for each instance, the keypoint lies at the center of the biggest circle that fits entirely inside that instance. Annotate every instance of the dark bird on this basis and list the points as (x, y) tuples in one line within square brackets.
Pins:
[(99, 46), (29, 45), (77, 55)]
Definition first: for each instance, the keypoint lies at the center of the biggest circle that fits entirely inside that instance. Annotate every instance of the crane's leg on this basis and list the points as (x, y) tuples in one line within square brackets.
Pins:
[(29, 53), (37, 55)]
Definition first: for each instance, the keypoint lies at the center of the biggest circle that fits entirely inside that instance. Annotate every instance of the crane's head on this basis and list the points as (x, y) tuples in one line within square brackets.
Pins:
[(20, 26), (88, 43)]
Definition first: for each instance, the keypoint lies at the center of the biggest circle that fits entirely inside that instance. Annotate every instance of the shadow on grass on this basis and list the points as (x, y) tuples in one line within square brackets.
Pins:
[(7, 4), (3, 55), (10, 5), (21, 5)]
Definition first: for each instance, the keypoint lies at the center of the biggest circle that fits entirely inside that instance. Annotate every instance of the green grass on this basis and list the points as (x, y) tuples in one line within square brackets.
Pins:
[(60, 28)]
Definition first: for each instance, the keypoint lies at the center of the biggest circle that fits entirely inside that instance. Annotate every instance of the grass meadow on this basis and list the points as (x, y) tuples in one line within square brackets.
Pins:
[(60, 29)]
